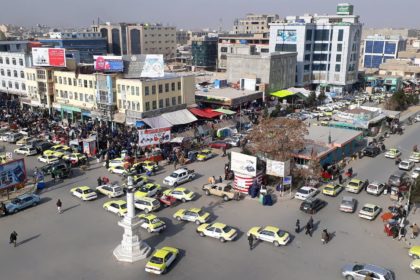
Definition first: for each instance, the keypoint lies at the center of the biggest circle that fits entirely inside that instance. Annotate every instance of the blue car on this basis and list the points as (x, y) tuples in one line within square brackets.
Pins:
[(22, 202)]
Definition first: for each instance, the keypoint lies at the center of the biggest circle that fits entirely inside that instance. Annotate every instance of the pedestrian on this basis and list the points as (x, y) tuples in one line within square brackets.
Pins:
[(13, 238), (297, 229), (311, 222), (53, 176), (220, 179), (107, 163), (175, 163), (414, 231), (224, 151), (325, 237), (59, 204), (251, 241), (340, 179), (308, 230), (99, 181)]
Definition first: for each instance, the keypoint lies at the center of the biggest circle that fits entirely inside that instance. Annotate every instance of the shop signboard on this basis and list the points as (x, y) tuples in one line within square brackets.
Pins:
[(243, 164), (108, 63), (12, 173), (278, 168), (49, 57), (144, 66), (289, 36), (156, 136)]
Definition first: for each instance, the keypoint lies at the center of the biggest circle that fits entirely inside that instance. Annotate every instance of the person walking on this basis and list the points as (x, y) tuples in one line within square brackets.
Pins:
[(59, 205), (414, 230), (311, 222), (251, 241), (325, 237), (13, 238), (401, 233), (99, 181), (308, 230), (297, 229), (220, 179)]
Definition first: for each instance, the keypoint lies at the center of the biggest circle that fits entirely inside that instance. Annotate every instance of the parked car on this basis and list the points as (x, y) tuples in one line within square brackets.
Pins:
[(147, 204), (26, 150), (219, 231), (312, 205), (42, 146), (21, 202), (393, 153), (149, 190), (270, 234), (48, 159), (369, 211), (219, 144), (414, 252), (305, 192), (399, 178), (14, 137), (118, 207), (84, 193), (110, 190), (375, 188), (355, 185), (195, 215), (415, 173), (348, 204), (161, 260), (415, 156), (332, 189), (406, 165), (359, 271), (24, 141), (204, 155), (151, 223)]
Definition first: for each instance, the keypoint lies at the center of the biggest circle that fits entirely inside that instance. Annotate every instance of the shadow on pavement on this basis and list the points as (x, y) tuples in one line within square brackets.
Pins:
[(70, 207), (28, 239), (171, 230)]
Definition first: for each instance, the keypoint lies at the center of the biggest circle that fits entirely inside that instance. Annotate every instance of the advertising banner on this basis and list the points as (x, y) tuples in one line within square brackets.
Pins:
[(144, 66), (49, 57), (154, 136), (278, 168), (12, 173), (287, 36), (108, 63), (243, 164)]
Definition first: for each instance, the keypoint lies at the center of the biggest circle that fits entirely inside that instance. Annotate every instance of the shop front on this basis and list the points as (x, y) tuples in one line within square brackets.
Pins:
[(71, 113)]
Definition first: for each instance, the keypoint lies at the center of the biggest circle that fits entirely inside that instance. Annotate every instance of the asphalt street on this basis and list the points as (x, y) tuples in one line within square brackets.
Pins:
[(78, 244)]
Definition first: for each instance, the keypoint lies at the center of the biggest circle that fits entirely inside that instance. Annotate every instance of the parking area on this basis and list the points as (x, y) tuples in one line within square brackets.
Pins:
[(78, 243)]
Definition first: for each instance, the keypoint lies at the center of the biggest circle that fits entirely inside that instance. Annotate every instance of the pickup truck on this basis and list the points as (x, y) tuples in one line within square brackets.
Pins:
[(179, 176), (222, 190)]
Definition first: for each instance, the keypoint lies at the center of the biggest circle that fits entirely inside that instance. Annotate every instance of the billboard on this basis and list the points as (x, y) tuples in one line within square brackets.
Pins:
[(49, 57), (344, 9), (278, 168), (154, 136), (243, 164), (108, 63), (12, 173), (144, 66), (287, 36)]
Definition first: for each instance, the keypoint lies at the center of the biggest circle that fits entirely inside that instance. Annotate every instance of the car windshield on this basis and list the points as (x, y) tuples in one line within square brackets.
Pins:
[(302, 191), (372, 186), (353, 184), (200, 213), (156, 260), (394, 178), (89, 191), (117, 189), (347, 202), (404, 163), (155, 202), (124, 206), (155, 221), (367, 209), (281, 233), (186, 192), (330, 188), (174, 175), (226, 229)]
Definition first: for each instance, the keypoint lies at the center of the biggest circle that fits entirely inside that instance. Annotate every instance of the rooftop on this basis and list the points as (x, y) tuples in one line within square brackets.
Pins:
[(226, 92), (339, 136)]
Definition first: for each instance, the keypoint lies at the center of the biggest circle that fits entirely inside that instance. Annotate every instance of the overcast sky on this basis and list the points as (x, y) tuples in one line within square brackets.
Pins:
[(196, 14)]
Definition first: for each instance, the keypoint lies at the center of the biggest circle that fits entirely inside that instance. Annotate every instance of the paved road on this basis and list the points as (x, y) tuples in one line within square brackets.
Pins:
[(78, 244)]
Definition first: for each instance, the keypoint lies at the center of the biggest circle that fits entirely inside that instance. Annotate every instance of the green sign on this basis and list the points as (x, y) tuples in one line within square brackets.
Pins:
[(344, 9)]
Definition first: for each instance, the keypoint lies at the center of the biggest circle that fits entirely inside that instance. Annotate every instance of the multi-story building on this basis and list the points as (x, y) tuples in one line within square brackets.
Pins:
[(327, 46), (257, 43), (204, 52), (405, 69), (87, 47), (144, 98), (378, 48), (74, 35), (40, 87), (134, 38), (253, 23), (400, 32), (14, 58)]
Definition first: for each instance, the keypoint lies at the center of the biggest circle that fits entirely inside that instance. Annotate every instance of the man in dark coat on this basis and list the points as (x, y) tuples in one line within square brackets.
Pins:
[(13, 238), (251, 241)]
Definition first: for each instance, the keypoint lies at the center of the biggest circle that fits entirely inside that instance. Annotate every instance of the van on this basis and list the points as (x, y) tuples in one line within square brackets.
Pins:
[(147, 204), (14, 137)]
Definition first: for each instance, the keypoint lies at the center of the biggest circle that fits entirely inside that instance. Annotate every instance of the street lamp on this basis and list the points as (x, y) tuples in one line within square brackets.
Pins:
[(132, 248)]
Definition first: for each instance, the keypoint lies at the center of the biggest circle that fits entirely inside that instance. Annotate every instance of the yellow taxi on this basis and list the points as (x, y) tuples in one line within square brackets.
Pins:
[(118, 207), (414, 252), (270, 234), (149, 190), (53, 149), (151, 223), (181, 194), (162, 260), (355, 186), (332, 189), (61, 152), (84, 193), (217, 230), (204, 155), (196, 215)]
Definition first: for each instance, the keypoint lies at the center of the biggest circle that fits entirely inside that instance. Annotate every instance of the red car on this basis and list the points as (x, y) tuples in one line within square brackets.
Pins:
[(219, 145), (167, 200)]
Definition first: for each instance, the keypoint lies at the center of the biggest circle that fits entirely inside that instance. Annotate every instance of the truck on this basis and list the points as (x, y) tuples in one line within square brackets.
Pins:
[(179, 176), (223, 190)]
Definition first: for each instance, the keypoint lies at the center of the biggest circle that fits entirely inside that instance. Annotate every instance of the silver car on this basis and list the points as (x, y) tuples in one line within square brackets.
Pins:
[(348, 204), (357, 271)]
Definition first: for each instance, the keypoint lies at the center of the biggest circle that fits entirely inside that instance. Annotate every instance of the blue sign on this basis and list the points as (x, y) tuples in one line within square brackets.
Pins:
[(109, 63), (287, 180), (12, 173)]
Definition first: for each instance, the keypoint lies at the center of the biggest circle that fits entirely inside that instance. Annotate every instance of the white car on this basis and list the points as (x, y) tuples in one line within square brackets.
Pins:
[(415, 156), (417, 118), (147, 204), (416, 173), (4, 136), (48, 159), (84, 193), (115, 162), (26, 151), (375, 188), (305, 192), (110, 190), (369, 211), (120, 170), (406, 165)]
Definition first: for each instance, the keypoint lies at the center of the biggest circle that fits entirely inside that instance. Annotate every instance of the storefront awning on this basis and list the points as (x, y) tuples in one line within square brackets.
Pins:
[(119, 118), (225, 111), (282, 93), (157, 122), (180, 117), (140, 124), (207, 113)]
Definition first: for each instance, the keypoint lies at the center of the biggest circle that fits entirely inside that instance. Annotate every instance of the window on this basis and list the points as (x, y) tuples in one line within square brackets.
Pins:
[(179, 99), (65, 81), (173, 86), (285, 48), (167, 87), (20, 61), (338, 58), (7, 60), (223, 49), (15, 73), (160, 103), (173, 101), (339, 47), (321, 47), (86, 97), (22, 74), (322, 35), (307, 57), (309, 35), (90, 83), (137, 91), (306, 67), (2, 72), (153, 89), (319, 67), (1, 60), (179, 85), (14, 61), (340, 35), (167, 104), (23, 86), (9, 73), (85, 83), (308, 47), (132, 91), (76, 97), (337, 68), (16, 85), (320, 56), (160, 88), (138, 106), (154, 105), (146, 90)]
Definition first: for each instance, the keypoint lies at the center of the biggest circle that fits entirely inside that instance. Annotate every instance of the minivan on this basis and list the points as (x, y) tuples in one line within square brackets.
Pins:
[(14, 137)]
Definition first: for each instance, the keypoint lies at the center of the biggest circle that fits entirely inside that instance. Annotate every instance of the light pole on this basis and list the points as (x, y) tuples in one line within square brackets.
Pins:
[(132, 248)]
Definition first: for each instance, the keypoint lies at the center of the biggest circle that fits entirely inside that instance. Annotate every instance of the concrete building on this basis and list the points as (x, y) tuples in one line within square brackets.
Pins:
[(40, 88), (276, 70), (87, 47), (378, 48), (401, 32), (151, 97), (253, 23), (185, 37), (327, 45), (204, 52), (405, 69), (227, 96), (234, 44), (14, 58), (74, 35), (134, 38)]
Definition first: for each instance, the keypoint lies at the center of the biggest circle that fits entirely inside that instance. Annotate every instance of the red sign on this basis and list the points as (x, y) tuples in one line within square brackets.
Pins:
[(57, 57), (49, 57)]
